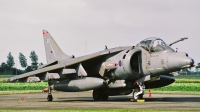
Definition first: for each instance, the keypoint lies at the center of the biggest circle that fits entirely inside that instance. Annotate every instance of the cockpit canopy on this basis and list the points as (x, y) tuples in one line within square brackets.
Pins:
[(154, 44)]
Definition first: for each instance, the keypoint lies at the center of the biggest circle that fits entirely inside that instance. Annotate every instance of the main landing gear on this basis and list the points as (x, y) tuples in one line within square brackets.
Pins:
[(49, 97), (99, 95)]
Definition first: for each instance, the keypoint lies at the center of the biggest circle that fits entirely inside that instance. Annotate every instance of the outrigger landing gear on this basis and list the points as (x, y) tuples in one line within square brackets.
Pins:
[(99, 95), (139, 92), (49, 97)]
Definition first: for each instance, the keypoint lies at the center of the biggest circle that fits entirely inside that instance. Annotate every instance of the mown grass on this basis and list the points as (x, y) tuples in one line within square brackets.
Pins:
[(187, 77), (180, 87), (2, 77), (19, 92), (183, 83), (23, 86)]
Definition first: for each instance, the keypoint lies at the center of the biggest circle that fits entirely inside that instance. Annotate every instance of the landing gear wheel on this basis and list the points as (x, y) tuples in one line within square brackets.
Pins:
[(50, 98), (140, 96), (99, 95), (96, 95), (135, 97), (104, 97)]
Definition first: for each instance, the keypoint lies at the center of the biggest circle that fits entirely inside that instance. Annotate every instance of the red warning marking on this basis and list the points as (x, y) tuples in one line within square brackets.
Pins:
[(45, 32), (150, 94)]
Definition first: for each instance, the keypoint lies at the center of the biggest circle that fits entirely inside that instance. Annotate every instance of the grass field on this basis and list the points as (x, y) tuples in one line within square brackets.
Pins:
[(186, 83)]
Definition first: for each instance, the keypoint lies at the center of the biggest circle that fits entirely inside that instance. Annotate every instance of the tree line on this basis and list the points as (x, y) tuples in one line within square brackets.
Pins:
[(8, 66)]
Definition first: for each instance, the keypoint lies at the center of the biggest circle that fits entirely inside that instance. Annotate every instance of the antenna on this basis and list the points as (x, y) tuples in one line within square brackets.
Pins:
[(106, 47), (176, 49), (181, 39)]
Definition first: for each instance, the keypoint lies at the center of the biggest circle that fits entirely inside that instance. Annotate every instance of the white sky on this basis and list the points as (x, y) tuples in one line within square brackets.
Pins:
[(85, 26)]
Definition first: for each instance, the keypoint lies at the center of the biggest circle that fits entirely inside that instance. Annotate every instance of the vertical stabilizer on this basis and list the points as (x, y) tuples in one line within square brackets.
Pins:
[(53, 51)]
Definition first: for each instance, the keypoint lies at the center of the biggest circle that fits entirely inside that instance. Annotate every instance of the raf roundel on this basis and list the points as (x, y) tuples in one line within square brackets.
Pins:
[(120, 63)]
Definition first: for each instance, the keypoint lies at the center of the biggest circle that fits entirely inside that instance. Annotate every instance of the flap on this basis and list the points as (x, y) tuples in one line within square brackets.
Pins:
[(33, 79), (68, 71), (52, 76)]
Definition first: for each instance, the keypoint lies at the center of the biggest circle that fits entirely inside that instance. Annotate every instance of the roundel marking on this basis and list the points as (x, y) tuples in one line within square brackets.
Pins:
[(120, 63)]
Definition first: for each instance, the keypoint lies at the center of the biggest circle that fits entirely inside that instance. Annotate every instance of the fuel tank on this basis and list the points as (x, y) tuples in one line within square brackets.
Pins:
[(164, 81), (79, 84)]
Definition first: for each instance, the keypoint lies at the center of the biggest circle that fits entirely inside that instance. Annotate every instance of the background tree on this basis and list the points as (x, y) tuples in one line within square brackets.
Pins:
[(197, 68), (34, 59), (29, 69), (40, 64), (10, 61), (22, 60), (4, 67)]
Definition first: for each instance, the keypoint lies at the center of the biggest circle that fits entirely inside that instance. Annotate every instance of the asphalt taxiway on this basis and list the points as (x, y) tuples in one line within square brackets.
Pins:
[(84, 100)]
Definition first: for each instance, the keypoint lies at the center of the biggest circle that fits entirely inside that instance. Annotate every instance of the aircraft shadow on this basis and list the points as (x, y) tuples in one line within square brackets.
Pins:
[(127, 99)]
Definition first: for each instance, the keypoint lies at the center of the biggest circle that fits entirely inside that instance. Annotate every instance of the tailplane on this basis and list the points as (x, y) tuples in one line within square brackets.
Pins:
[(53, 51)]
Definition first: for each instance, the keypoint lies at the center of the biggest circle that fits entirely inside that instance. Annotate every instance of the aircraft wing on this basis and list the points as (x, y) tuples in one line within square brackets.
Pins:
[(42, 73)]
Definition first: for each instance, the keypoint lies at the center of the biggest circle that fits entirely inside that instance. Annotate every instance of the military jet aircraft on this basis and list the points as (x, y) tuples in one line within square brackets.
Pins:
[(116, 71)]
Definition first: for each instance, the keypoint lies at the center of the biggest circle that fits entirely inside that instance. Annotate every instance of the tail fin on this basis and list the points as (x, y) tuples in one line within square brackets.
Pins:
[(53, 51)]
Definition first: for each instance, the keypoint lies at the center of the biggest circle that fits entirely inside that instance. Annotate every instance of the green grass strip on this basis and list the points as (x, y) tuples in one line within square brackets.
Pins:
[(23, 86), (181, 87)]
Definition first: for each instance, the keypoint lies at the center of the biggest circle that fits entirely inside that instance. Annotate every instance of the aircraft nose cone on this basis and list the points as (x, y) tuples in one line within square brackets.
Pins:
[(187, 62), (177, 62)]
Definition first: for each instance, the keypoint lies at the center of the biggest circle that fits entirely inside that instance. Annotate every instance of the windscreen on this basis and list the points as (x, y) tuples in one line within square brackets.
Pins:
[(158, 45), (154, 45)]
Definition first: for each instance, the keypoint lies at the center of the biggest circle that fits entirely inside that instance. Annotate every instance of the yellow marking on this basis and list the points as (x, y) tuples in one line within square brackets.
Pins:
[(186, 66), (159, 68), (140, 100), (151, 69)]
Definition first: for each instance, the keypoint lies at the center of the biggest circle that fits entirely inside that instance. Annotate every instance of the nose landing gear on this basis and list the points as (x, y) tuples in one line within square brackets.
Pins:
[(139, 92)]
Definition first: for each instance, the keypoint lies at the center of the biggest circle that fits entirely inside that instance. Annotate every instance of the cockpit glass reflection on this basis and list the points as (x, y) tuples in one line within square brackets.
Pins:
[(154, 45), (158, 45)]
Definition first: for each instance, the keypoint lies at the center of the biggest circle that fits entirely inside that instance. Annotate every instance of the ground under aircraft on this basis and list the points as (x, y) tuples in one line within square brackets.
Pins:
[(110, 72)]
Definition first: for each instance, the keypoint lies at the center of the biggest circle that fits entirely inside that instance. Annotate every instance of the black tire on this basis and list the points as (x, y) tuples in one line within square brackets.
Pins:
[(99, 95), (135, 92), (104, 97), (96, 95), (140, 96), (49, 98)]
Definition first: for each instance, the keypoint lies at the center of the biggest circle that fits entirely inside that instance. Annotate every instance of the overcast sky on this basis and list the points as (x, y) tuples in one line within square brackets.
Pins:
[(85, 26)]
